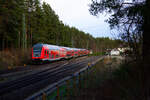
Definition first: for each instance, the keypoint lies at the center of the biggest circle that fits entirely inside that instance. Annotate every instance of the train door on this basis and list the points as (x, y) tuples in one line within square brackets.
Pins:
[(52, 54), (57, 54), (61, 54), (49, 54), (46, 54), (54, 57)]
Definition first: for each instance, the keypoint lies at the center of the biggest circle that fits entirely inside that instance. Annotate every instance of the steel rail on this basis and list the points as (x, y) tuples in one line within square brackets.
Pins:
[(43, 77)]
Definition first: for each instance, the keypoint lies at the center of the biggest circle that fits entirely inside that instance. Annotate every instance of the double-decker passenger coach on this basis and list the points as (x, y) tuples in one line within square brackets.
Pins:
[(46, 52)]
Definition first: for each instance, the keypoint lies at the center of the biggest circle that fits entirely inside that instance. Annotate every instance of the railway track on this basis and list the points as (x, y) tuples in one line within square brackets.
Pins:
[(25, 86), (23, 71)]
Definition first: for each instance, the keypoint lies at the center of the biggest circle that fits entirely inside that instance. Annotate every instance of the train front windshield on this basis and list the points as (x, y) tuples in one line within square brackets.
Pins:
[(37, 50)]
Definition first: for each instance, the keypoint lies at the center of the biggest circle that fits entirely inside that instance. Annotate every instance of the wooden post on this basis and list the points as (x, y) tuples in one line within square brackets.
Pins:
[(80, 84), (58, 94), (84, 78), (9, 67), (44, 96), (87, 76), (79, 80), (24, 65), (74, 85), (67, 89)]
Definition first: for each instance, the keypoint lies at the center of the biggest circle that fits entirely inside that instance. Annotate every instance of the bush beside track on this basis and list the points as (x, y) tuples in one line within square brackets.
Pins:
[(97, 54), (110, 79), (13, 58)]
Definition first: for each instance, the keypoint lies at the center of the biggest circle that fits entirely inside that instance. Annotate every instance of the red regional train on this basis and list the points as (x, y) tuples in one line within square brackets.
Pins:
[(46, 52)]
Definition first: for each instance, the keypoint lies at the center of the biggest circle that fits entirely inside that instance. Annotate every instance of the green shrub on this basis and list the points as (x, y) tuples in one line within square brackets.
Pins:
[(97, 54)]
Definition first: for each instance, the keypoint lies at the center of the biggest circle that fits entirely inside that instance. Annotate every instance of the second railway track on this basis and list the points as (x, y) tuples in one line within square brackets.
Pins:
[(25, 86)]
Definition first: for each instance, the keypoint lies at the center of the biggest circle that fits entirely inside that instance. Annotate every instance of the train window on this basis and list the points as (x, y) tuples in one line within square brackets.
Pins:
[(37, 48), (57, 55), (49, 54), (45, 52), (52, 56)]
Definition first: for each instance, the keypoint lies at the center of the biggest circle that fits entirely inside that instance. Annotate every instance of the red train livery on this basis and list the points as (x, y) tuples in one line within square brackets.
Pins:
[(46, 52)]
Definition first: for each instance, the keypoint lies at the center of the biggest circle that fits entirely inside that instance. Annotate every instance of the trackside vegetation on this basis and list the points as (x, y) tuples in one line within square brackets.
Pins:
[(132, 19), (29, 22), (97, 54), (110, 79), (24, 23)]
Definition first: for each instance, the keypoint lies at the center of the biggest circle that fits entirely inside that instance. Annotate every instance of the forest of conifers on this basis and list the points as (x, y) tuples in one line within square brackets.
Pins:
[(26, 22)]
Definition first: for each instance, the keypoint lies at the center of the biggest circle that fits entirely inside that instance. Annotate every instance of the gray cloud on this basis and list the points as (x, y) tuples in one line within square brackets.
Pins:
[(75, 13)]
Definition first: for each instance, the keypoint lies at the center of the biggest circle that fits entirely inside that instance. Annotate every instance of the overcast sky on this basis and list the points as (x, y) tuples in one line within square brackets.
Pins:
[(75, 13)]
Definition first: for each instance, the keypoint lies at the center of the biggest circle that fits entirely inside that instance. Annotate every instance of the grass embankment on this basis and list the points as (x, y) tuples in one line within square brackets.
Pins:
[(12, 58), (97, 54), (110, 79)]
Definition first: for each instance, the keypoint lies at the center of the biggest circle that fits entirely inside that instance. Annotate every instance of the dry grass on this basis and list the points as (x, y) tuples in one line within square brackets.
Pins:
[(112, 83), (13, 58)]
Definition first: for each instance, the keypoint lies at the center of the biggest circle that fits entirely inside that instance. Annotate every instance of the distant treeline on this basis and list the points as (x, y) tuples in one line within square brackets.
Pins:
[(26, 22)]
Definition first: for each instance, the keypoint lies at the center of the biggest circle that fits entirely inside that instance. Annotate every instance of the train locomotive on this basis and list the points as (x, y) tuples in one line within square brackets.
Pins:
[(46, 52)]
